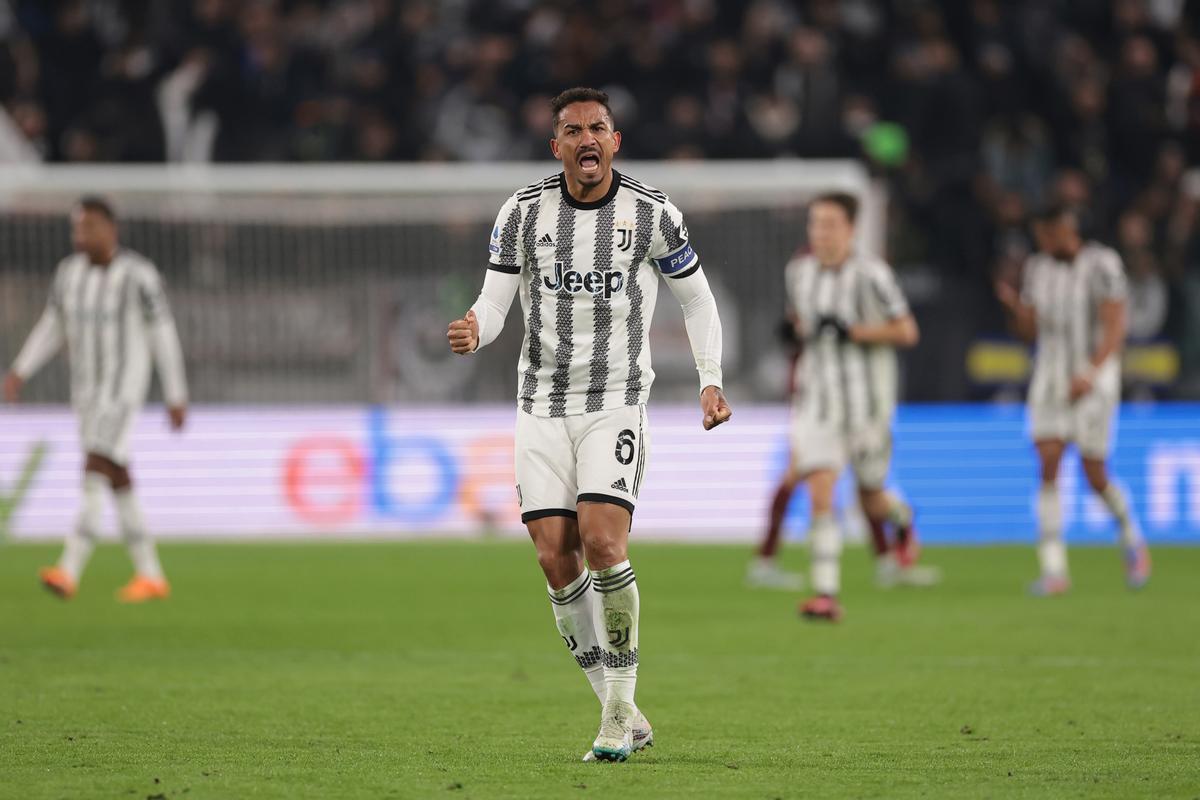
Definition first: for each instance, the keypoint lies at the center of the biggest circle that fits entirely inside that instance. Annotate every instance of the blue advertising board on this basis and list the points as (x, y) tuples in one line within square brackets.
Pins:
[(971, 473)]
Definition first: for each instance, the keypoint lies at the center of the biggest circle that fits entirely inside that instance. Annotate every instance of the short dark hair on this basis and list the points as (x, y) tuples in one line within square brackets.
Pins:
[(844, 200), (99, 205), (1055, 212), (579, 94)]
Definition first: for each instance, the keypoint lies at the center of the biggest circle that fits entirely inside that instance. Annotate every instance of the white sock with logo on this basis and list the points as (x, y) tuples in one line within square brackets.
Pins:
[(617, 606), (137, 541), (1052, 551), (575, 619), (80, 543)]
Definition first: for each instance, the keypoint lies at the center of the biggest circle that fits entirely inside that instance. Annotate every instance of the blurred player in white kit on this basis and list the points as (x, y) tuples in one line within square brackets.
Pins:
[(1072, 304), (107, 306), (852, 316)]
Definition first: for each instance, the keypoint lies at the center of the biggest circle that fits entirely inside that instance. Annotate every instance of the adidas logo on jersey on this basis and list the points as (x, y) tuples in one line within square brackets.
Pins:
[(620, 486), (594, 282), (546, 241)]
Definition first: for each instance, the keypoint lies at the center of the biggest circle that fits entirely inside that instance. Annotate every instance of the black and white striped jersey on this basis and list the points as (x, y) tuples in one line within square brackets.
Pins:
[(589, 281), (112, 319), (840, 383), (1066, 297)]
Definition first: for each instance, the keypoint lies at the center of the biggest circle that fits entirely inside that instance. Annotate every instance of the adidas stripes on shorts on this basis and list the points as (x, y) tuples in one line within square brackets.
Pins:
[(562, 461)]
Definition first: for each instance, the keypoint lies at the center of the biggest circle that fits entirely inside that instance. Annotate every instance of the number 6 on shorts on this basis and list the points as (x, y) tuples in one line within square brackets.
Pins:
[(625, 446)]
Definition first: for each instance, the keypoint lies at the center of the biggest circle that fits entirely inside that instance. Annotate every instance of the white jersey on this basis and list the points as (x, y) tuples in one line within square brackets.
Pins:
[(1066, 298), (589, 281), (842, 384), (112, 320)]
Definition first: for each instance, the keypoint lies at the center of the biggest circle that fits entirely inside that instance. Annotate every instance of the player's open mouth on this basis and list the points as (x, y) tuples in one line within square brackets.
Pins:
[(589, 162)]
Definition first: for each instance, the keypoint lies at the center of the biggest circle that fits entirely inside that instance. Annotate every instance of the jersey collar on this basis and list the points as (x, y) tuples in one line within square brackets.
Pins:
[(594, 204)]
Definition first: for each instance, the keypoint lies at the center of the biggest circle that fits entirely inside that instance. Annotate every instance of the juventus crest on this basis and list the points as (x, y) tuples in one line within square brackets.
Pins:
[(624, 235)]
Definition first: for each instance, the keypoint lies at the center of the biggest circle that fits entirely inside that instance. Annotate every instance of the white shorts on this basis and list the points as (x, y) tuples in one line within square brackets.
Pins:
[(867, 449), (104, 430), (1087, 423), (562, 461)]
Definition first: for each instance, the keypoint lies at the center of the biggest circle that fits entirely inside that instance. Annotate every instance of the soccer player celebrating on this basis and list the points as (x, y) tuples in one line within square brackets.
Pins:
[(107, 306), (1072, 303), (852, 315), (585, 249)]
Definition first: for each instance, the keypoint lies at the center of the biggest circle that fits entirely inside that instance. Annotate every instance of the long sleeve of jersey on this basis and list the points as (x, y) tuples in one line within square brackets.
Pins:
[(164, 340), (45, 340), (499, 289), (703, 324)]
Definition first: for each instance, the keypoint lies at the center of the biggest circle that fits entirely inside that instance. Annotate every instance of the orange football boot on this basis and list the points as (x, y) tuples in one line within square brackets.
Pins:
[(141, 588), (58, 581)]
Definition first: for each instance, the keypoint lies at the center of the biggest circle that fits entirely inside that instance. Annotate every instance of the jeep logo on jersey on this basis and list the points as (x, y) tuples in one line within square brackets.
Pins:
[(594, 282)]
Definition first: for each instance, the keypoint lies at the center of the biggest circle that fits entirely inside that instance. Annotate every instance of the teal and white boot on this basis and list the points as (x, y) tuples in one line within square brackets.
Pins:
[(615, 740)]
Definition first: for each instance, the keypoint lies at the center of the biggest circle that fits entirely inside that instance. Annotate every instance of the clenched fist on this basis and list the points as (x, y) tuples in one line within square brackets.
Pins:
[(464, 334), (716, 409)]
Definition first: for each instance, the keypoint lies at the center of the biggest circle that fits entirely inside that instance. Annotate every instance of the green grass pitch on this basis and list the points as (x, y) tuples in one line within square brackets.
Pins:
[(432, 670)]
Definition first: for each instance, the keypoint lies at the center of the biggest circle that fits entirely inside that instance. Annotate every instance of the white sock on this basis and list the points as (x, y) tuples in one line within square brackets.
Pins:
[(617, 609), (575, 619), (77, 548), (1052, 551), (1118, 504), (825, 541), (137, 540)]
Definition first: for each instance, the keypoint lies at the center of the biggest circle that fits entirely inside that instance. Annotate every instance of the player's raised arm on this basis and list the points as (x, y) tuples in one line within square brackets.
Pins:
[(164, 344), (675, 259), (45, 340)]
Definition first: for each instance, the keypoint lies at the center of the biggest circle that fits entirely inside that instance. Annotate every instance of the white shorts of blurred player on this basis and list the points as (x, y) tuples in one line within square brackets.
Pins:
[(1088, 423), (562, 461), (104, 429), (867, 450)]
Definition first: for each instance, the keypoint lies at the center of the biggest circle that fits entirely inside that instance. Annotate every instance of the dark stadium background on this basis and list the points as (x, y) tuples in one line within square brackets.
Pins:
[(973, 112)]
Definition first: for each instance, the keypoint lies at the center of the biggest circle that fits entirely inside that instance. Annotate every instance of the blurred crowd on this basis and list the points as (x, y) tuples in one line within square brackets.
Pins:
[(974, 111)]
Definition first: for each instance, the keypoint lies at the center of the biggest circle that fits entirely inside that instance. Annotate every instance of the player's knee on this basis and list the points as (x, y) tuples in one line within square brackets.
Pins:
[(559, 567), (1049, 469), (604, 552), (874, 503), (1049, 473), (1097, 475), (120, 478), (116, 474)]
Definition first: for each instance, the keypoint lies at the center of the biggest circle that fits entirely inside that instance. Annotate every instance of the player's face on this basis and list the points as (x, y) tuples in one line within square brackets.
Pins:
[(585, 142), (92, 233), (830, 232), (1058, 237)]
